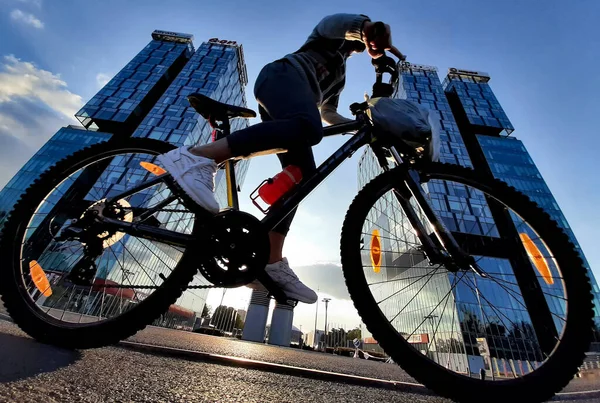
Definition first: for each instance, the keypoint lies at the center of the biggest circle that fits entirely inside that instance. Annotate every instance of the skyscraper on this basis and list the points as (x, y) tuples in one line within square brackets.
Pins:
[(66, 141), (485, 129), (475, 133), (147, 98)]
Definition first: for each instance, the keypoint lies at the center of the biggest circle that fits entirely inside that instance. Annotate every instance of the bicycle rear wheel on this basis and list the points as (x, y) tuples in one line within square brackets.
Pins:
[(447, 327), (68, 292)]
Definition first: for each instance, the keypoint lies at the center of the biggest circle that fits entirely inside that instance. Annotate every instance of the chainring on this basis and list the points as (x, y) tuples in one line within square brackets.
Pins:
[(239, 249)]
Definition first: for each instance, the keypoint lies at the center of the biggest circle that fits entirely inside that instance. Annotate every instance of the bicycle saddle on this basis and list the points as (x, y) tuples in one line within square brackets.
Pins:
[(209, 108)]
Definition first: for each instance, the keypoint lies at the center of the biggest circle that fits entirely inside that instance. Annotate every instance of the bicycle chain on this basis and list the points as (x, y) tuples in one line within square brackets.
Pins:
[(150, 287)]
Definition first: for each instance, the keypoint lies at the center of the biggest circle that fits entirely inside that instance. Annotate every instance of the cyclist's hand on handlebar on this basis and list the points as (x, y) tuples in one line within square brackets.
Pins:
[(377, 37), (394, 50)]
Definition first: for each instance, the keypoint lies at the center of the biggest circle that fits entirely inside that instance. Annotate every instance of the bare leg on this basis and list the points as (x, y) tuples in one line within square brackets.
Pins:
[(218, 151), (277, 241)]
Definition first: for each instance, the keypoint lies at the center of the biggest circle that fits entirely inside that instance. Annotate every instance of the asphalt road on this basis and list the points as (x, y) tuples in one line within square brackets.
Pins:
[(279, 355), (33, 372)]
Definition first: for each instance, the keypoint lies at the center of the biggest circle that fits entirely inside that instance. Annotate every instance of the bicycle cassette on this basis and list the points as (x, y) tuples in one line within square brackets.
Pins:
[(238, 248)]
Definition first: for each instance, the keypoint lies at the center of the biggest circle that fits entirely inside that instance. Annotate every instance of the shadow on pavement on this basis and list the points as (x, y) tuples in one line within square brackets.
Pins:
[(21, 358)]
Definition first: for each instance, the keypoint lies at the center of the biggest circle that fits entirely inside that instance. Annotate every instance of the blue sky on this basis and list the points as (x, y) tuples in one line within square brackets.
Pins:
[(54, 55)]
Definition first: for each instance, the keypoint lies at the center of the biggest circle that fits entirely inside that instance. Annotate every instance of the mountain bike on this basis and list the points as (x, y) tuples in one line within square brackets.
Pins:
[(454, 273)]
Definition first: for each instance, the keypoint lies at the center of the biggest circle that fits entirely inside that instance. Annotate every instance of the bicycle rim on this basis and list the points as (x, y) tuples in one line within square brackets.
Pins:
[(127, 271), (446, 327)]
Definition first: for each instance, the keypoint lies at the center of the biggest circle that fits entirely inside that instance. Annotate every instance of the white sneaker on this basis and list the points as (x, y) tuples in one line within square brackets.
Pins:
[(281, 273), (195, 175)]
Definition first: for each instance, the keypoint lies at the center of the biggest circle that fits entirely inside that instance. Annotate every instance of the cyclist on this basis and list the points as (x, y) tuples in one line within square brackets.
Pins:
[(289, 92)]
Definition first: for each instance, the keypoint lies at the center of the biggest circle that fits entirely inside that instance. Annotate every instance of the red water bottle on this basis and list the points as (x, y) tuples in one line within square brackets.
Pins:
[(280, 184)]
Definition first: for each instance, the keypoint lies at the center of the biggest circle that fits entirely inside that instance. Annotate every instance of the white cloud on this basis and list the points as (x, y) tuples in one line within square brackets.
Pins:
[(34, 103), (24, 79), (102, 79), (26, 18)]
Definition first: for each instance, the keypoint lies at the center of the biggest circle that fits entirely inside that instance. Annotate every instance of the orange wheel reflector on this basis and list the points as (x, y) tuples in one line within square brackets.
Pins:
[(39, 278), (155, 169), (376, 251), (538, 260)]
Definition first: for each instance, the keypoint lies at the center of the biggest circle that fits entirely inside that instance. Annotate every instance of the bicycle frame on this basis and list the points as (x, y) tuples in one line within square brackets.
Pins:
[(408, 186)]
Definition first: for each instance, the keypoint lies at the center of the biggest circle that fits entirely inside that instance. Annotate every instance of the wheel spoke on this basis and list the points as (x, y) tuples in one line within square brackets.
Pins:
[(409, 296)]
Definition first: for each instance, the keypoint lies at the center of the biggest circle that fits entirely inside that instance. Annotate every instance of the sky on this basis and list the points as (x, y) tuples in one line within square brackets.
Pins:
[(541, 55)]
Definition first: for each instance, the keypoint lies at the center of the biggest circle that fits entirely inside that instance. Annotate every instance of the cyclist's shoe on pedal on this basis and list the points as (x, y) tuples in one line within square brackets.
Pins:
[(195, 175), (281, 273)]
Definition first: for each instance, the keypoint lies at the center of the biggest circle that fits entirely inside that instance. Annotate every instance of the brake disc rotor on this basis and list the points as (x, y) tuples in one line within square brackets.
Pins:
[(238, 247)]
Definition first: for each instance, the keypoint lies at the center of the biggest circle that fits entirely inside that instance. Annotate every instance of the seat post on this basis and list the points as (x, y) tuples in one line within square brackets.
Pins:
[(232, 194)]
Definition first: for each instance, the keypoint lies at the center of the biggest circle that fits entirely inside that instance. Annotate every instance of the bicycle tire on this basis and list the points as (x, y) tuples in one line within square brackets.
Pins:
[(106, 332), (539, 385)]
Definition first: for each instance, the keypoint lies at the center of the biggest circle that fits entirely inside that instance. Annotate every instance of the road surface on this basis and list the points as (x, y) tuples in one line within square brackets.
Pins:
[(33, 372)]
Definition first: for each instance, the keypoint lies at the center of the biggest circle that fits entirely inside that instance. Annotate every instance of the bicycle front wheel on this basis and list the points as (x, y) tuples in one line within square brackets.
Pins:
[(90, 291), (475, 333)]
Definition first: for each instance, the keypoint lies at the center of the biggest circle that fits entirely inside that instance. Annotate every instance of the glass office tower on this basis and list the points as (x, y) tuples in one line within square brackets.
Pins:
[(66, 141), (456, 342), (123, 102), (488, 129), (147, 98)]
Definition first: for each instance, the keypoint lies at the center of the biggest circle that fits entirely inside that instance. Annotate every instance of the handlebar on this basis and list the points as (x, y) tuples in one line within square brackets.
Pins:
[(385, 64)]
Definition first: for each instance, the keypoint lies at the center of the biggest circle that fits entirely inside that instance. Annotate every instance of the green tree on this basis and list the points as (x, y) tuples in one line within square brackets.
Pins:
[(225, 318), (239, 323), (354, 334), (206, 311)]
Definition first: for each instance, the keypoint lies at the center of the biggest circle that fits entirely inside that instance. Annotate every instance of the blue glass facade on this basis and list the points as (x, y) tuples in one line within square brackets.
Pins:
[(478, 101), (129, 95), (214, 70), (509, 161), (505, 157), (459, 211), (147, 98), (66, 141)]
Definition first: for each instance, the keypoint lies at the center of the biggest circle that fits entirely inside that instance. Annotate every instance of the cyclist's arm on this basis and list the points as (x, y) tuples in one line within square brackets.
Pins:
[(329, 113)]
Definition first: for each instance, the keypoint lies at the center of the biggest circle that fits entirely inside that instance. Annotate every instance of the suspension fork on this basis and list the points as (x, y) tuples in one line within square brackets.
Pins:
[(442, 245)]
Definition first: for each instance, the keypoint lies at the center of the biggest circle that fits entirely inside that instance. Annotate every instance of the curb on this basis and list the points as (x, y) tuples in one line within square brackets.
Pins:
[(277, 368), (311, 373), (572, 396)]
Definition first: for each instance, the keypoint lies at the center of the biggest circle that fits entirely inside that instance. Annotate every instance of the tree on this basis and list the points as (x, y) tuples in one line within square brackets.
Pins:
[(354, 334), (450, 346), (239, 323), (336, 337), (224, 318), (206, 311)]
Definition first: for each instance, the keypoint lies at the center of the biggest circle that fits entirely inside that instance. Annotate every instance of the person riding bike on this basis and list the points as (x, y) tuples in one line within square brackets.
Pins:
[(289, 92)]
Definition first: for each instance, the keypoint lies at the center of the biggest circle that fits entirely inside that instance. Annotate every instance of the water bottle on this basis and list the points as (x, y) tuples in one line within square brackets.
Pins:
[(280, 184)]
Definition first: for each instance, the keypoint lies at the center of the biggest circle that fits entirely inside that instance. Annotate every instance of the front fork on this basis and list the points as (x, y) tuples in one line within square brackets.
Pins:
[(441, 248)]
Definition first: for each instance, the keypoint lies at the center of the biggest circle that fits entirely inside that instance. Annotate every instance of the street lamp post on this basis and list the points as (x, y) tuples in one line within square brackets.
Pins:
[(315, 338), (326, 300), (431, 318)]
